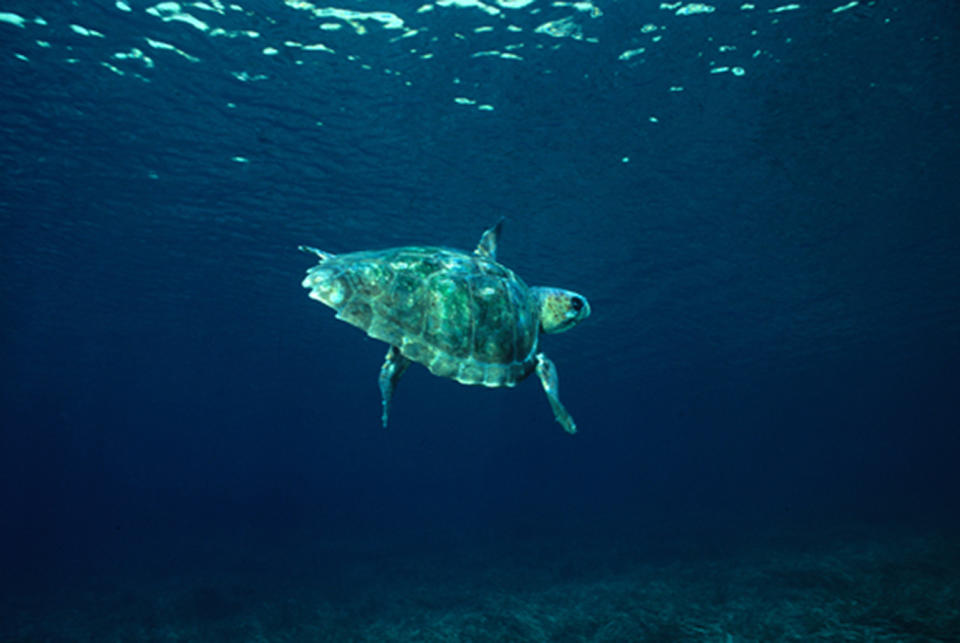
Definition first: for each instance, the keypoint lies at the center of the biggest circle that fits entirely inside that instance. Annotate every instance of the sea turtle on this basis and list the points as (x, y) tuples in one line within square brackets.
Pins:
[(462, 315)]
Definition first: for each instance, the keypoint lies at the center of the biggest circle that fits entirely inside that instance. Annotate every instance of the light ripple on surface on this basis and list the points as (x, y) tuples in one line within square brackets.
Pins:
[(422, 35)]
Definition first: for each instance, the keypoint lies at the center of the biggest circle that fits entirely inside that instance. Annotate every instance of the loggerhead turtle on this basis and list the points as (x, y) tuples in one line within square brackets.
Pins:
[(462, 315)]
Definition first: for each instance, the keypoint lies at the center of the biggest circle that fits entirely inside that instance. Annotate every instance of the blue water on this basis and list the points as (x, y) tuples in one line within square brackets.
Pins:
[(759, 201)]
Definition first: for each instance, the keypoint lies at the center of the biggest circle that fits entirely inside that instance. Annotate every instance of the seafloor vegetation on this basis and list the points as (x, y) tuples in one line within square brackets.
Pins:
[(844, 586)]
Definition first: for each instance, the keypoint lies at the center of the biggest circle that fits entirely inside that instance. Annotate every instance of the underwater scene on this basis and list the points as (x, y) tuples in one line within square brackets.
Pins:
[(479, 320)]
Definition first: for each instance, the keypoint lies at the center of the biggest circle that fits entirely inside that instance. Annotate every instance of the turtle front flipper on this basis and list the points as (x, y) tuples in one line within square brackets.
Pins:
[(487, 247), (393, 367), (547, 373)]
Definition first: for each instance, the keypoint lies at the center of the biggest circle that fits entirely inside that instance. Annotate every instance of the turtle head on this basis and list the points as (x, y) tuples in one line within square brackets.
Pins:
[(560, 309)]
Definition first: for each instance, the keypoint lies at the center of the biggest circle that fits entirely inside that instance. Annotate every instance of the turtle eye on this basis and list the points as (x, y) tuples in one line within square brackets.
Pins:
[(577, 303)]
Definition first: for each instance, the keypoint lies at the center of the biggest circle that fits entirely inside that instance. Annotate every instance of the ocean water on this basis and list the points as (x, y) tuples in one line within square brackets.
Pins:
[(758, 199)]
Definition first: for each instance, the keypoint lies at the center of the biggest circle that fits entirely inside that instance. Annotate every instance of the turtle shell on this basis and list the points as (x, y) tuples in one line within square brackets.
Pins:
[(461, 315)]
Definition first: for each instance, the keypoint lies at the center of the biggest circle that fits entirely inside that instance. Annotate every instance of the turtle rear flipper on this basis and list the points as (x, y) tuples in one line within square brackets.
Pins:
[(322, 254), (393, 367)]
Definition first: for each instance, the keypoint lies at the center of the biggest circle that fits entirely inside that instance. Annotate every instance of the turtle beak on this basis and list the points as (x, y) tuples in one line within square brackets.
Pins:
[(579, 308)]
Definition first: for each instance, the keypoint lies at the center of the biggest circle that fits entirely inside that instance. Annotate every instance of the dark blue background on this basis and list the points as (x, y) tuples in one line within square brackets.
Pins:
[(775, 335)]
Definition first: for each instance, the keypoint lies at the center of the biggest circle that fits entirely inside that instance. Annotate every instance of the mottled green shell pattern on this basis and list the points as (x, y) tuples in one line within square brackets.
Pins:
[(461, 315)]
